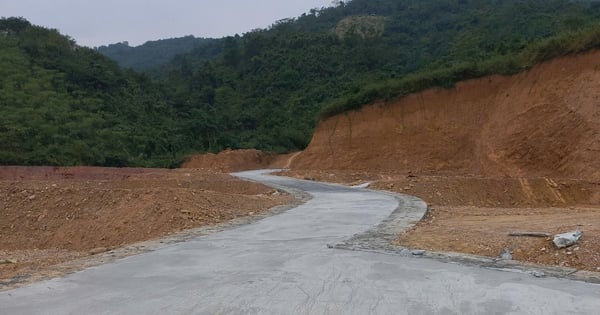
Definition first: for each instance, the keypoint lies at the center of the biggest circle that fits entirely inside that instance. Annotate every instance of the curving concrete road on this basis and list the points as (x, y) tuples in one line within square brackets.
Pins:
[(281, 265)]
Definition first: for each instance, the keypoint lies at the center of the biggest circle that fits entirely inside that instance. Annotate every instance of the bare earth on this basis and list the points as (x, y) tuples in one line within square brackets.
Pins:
[(53, 215), (490, 156), (474, 215)]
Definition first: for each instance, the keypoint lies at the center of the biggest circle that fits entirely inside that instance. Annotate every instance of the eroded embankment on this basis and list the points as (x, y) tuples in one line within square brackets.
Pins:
[(543, 122)]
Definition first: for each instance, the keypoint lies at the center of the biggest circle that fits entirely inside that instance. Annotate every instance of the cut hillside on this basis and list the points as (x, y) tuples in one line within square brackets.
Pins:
[(543, 122), (490, 156)]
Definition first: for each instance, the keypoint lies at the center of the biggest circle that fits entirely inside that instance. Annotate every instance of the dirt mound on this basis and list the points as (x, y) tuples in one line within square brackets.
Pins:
[(238, 160), (51, 215), (543, 122)]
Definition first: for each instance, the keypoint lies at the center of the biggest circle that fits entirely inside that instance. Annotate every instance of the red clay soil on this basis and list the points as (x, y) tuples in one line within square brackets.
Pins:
[(541, 123), (492, 155), (238, 160), (52, 215)]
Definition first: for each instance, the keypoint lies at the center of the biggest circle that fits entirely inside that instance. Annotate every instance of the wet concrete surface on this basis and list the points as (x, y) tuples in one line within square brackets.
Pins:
[(282, 265)]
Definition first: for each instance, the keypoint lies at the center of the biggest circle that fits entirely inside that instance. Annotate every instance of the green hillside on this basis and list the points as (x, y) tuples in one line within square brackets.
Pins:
[(268, 86), (61, 104), (156, 53)]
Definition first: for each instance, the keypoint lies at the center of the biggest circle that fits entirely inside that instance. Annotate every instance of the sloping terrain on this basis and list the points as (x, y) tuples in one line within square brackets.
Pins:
[(490, 156), (156, 53), (543, 122)]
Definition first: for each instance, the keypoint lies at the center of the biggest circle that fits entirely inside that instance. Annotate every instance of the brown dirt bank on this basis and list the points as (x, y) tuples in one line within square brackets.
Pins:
[(541, 123), (238, 160), (51, 215)]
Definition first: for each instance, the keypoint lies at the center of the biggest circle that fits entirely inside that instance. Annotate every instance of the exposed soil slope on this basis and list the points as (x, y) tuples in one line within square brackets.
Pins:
[(237, 160), (543, 122), (491, 156), (51, 215)]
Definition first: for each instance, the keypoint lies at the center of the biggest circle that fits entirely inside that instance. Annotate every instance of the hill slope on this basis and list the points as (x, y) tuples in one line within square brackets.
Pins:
[(61, 104), (543, 122), (65, 105), (156, 53), (267, 87)]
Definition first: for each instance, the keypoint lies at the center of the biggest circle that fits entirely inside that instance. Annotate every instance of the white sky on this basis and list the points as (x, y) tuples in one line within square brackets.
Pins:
[(99, 22)]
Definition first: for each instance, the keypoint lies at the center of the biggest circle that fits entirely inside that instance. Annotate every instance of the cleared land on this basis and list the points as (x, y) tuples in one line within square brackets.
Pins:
[(475, 215), (54, 215), (491, 156)]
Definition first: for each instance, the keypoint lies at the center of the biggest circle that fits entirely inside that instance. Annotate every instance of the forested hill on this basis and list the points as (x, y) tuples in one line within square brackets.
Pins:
[(267, 87), (157, 53), (61, 104)]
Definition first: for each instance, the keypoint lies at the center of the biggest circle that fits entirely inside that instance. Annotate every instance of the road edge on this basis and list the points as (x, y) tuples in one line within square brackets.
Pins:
[(83, 263), (379, 240)]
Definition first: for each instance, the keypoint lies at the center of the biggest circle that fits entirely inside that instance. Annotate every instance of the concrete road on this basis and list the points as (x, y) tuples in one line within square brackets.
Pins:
[(281, 265)]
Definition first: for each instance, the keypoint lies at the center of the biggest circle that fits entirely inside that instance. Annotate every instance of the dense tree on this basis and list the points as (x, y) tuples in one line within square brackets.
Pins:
[(159, 52), (270, 84), (62, 104)]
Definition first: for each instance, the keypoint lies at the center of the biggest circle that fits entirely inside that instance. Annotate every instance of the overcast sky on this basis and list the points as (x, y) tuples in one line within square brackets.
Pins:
[(99, 22)]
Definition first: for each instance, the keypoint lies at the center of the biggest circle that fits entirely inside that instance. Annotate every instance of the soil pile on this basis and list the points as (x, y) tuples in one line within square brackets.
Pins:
[(543, 122)]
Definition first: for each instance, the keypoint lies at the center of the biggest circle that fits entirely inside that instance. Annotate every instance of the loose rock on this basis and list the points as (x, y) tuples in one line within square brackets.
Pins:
[(506, 255), (567, 239), (538, 274), (7, 261), (418, 252), (98, 250)]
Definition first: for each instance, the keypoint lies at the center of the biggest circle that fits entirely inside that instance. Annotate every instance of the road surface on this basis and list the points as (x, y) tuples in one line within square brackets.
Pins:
[(282, 265)]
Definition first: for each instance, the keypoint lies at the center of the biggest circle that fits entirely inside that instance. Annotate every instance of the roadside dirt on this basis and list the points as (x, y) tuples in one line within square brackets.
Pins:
[(474, 215), (53, 215)]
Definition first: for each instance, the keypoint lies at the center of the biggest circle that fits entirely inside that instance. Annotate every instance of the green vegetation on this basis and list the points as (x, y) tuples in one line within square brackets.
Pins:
[(153, 54), (363, 26), (62, 104), (543, 50), (269, 87)]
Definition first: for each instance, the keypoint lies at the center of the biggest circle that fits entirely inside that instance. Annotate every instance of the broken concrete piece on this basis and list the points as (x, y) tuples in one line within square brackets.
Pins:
[(418, 252), (538, 274), (506, 255), (365, 185), (567, 239)]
